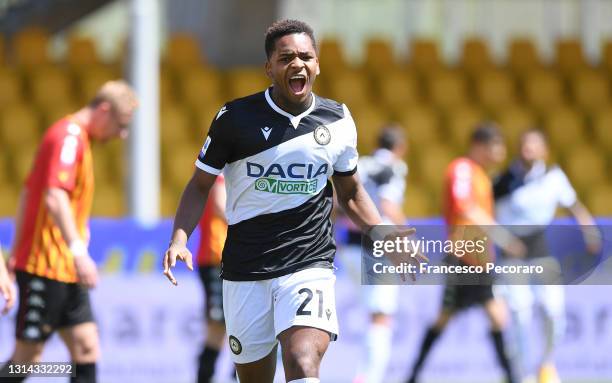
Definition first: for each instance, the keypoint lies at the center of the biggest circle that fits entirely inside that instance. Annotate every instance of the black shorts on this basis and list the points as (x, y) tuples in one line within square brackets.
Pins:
[(213, 290), (46, 305), (465, 290)]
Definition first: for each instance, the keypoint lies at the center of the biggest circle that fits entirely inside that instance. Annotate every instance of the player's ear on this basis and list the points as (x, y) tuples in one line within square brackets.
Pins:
[(268, 67)]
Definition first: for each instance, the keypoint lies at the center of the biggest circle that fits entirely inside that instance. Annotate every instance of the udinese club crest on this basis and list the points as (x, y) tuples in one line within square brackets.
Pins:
[(235, 345), (322, 135)]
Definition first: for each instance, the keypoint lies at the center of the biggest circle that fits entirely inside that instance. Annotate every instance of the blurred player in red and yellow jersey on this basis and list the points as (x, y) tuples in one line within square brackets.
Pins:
[(213, 231), (468, 212), (50, 250)]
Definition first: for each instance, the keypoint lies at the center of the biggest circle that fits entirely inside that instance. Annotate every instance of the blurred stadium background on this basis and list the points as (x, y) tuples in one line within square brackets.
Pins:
[(435, 66)]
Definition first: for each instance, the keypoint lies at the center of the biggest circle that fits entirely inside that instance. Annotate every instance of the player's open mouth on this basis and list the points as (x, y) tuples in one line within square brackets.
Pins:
[(297, 83)]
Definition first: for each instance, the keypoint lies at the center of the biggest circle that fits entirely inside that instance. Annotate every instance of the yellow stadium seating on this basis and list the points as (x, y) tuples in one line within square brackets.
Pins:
[(19, 126), (81, 51), (368, 122), (169, 200), (397, 89), (203, 117), (11, 90), (182, 51), (22, 159), (447, 89), (175, 127), (495, 90), (242, 82), (424, 55), (417, 203), (108, 201), (475, 56), (178, 165), (167, 94), (90, 79), (105, 169), (586, 167), (431, 166), (2, 55), (331, 57), (599, 201), (602, 127), (543, 90), (351, 88), (50, 85), (523, 56), (460, 123), (30, 47), (201, 87), (422, 125), (606, 56), (53, 112), (513, 121), (591, 90), (379, 56), (569, 56), (565, 127), (9, 200)]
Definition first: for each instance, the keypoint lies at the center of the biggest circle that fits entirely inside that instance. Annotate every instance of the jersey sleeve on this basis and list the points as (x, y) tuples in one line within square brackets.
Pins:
[(565, 192), (461, 179), (346, 163), (216, 149), (63, 156)]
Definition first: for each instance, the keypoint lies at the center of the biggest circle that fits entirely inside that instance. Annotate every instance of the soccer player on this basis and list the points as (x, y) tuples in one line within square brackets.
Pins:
[(527, 197), (469, 208), (278, 150), (383, 175), (213, 231), (53, 267), (7, 289)]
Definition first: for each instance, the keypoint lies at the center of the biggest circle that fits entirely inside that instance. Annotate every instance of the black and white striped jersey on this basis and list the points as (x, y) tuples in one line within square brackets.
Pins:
[(277, 168)]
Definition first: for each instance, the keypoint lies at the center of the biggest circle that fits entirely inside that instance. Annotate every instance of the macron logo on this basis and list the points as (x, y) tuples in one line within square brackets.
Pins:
[(223, 110), (266, 132)]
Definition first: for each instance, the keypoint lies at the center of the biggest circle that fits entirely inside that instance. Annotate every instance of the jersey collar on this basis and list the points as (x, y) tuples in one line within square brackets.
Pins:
[(295, 120)]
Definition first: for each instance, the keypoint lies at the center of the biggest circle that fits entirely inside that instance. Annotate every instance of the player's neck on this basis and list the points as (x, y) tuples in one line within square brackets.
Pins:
[(288, 106), (475, 156), (83, 118)]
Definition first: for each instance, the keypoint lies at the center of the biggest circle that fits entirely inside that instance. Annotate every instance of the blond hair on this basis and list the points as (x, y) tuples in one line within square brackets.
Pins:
[(118, 93)]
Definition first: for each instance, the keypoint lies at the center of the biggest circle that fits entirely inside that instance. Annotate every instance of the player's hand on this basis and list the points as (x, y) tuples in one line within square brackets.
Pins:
[(7, 290), (86, 271), (412, 257), (592, 239), (176, 251), (516, 249)]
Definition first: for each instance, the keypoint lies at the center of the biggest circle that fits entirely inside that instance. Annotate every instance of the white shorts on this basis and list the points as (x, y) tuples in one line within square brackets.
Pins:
[(257, 311)]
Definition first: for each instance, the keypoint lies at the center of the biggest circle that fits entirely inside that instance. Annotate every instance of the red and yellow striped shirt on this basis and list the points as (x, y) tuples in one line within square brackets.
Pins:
[(64, 161)]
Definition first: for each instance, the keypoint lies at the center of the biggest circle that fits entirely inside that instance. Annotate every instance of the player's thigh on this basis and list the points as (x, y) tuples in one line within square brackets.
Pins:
[(77, 327), (260, 371), (551, 298), (496, 312), (249, 320), (306, 298)]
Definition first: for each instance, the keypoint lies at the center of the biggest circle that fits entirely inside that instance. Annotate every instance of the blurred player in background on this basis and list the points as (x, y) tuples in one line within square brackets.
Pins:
[(468, 210), (7, 288), (279, 149), (527, 197), (213, 231), (53, 267), (383, 175)]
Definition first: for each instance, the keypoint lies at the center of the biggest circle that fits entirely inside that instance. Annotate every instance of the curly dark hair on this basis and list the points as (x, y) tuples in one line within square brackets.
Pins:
[(286, 27)]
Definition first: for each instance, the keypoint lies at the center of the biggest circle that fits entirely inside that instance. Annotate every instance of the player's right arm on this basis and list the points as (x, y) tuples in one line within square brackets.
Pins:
[(187, 217), (211, 160), (57, 202)]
